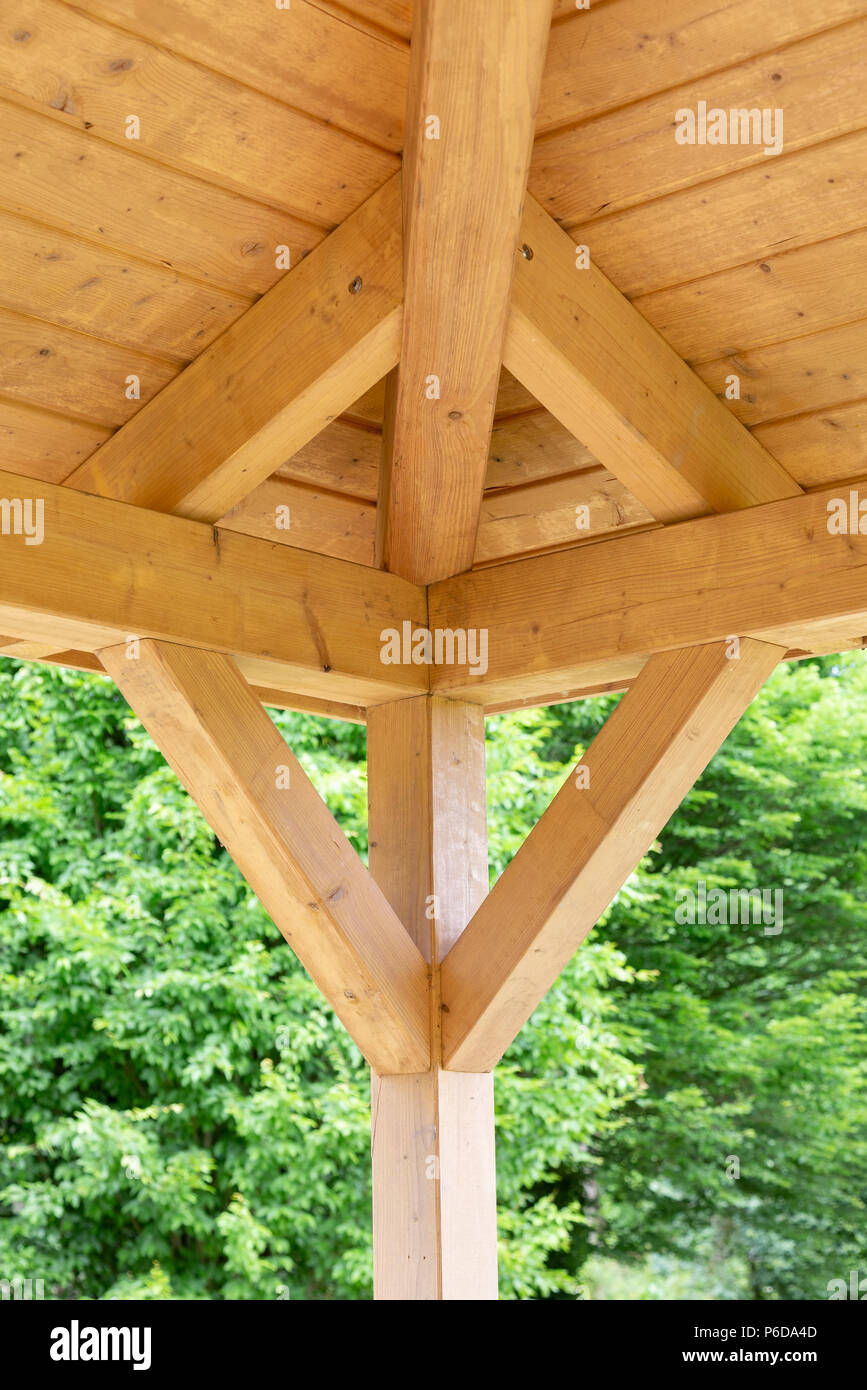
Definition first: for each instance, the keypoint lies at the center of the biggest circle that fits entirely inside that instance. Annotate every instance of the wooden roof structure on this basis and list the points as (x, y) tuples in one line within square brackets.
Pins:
[(324, 320)]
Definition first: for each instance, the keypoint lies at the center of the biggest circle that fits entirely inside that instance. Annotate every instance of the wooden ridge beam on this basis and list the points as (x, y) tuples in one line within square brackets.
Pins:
[(295, 621), (304, 352), (635, 774), (474, 83), (608, 376), (260, 802), (594, 614)]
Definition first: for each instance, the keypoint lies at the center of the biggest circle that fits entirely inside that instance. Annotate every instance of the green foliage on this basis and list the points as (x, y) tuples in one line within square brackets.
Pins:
[(181, 1116)]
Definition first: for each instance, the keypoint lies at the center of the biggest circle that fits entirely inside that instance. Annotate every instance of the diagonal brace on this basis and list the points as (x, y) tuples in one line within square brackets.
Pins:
[(635, 774), (226, 751)]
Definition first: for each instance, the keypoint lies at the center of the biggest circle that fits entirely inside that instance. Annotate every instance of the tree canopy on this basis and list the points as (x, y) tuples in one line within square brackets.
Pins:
[(181, 1115)]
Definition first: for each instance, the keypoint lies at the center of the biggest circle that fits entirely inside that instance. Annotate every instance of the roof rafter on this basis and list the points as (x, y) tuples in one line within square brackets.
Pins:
[(325, 333), (610, 378), (475, 74)]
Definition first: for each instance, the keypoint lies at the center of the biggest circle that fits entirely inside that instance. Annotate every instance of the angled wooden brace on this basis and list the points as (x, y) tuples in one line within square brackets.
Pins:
[(313, 344), (614, 382), (215, 735), (635, 774)]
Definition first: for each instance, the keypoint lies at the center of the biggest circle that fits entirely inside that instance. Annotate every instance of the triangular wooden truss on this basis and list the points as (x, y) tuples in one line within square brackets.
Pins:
[(446, 273)]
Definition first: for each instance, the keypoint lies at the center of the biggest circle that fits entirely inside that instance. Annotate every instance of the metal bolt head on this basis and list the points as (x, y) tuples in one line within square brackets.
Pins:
[(355, 285), (527, 252)]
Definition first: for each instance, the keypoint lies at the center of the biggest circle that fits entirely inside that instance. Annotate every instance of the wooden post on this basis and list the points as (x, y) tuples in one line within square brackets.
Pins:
[(432, 1134)]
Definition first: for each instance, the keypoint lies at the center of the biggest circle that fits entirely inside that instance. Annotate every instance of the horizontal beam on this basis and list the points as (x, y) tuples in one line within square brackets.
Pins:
[(593, 615), (294, 621), (304, 352), (576, 859), (256, 796)]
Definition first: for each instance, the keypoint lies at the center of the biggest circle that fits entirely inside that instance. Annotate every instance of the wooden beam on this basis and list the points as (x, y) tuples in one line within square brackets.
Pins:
[(295, 621), (474, 84), (303, 353), (608, 376), (434, 1187), (594, 614), (636, 772), (259, 801)]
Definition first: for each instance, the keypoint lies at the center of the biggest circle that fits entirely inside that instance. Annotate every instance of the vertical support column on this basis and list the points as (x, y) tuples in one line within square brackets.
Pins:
[(432, 1134)]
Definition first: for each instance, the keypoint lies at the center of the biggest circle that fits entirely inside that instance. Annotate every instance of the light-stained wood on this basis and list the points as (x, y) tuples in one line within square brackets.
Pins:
[(818, 448), (785, 296), (432, 1146), (612, 55), (476, 68), (296, 621), (343, 458), (247, 404), (40, 444), (57, 174), (305, 55), (527, 448), (233, 762), (190, 118), (512, 399), (613, 381), (804, 374), (630, 156), (56, 369), (88, 661), (50, 275), (639, 768), (787, 201), (294, 514), (526, 518), (395, 16), (594, 614)]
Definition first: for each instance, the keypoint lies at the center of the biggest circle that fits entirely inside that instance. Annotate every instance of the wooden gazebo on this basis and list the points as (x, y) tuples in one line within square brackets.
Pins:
[(407, 368)]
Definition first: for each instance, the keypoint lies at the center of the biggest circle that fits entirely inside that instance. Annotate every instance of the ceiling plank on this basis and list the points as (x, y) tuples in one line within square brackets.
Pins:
[(475, 70), (308, 877), (609, 377), (636, 772), (248, 402)]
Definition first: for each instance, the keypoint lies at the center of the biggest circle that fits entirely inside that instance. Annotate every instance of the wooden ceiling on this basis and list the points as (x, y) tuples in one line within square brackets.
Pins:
[(128, 257)]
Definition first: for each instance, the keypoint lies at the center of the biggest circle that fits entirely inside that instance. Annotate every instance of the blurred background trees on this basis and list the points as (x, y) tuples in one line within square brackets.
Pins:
[(181, 1115)]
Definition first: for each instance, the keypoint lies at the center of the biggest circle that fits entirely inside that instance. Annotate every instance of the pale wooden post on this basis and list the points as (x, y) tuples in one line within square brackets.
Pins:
[(432, 1134)]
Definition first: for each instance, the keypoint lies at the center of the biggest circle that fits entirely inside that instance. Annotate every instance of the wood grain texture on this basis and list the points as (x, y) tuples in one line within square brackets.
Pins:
[(639, 768), (784, 296), (63, 371), (617, 385), (190, 119), (785, 202), (820, 447), (40, 444), (803, 374), (295, 621), (630, 156), (477, 70), (57, 174), (307, 56), (260, 802), (246, 404), (595, 614), (613, 55), (92, 289), (432, 1145)]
